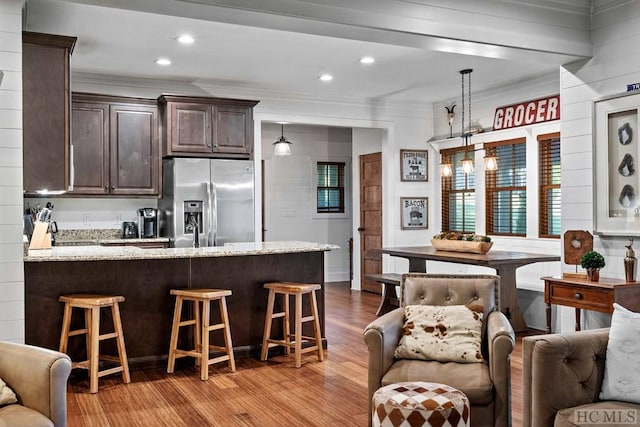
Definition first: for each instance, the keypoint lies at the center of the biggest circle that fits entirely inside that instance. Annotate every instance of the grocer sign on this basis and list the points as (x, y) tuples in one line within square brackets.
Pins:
[(527, 113)]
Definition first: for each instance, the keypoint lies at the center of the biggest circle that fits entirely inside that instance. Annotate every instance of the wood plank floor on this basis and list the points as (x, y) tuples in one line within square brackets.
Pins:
[(271, 393)]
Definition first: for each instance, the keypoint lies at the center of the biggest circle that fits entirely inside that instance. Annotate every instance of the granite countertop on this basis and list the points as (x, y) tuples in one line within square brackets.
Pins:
[(107, 253), (90, 237)]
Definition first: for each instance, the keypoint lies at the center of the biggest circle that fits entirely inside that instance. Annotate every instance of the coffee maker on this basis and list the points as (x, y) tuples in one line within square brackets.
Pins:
[(148, 222)]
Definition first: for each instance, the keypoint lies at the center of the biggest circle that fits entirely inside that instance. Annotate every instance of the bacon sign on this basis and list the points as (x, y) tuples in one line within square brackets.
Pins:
[(527, 113)]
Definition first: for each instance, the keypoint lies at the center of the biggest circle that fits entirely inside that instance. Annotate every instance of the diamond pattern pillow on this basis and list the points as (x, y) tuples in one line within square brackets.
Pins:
[(450, 333), (7, 396)]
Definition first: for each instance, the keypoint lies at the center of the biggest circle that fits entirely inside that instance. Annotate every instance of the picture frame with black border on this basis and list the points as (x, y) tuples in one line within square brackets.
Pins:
[(414, 213), (414, 165)]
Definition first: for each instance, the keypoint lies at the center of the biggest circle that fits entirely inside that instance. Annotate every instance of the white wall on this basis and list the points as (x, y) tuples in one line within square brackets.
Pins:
[(616, 62), (11, 265), (290, 191)]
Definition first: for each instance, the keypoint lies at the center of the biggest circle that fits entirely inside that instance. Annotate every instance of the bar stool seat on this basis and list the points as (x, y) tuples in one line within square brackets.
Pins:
[(202, 328), (91, 304), (298, 290)]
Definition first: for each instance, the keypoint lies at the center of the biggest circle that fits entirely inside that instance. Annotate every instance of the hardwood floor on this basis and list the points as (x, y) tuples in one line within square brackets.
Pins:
[(271, 393)]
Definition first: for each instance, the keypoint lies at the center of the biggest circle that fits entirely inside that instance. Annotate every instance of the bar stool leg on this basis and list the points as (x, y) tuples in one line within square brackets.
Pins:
[(94, 338), (204, 355), (222, 303), (298, 327), (175, 329), (122, 350), (286, 324), (316, 325), (197, 339), (267, 326), (87, 333), (66, 323)]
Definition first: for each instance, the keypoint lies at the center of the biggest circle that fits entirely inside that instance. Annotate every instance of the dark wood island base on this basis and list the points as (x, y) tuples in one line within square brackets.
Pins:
[(148, 307)]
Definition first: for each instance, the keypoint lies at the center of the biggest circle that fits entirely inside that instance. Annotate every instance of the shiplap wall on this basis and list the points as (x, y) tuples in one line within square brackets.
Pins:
[(11, 265), (616, 62)]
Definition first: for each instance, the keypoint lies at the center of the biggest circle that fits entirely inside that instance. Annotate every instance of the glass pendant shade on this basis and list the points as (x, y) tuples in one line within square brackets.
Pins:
[(446, 169), (490, 163), (467, 164), (282, 147)]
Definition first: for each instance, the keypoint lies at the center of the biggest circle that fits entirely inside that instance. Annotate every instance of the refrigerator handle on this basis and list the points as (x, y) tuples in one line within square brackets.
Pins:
[(208, 218), (214, 214)]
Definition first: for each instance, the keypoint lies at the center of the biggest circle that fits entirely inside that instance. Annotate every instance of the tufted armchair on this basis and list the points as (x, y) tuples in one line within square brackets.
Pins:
[(486, 384), (39, 379), (562, 374)]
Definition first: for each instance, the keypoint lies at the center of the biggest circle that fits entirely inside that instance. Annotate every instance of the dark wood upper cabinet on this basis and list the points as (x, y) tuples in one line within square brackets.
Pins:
[(116, 147), (206, 127), (46, 99)]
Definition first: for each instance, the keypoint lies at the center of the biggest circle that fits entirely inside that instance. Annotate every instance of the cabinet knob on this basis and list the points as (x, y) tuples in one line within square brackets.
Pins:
[(579, 295), (113, 186), (106, 187)]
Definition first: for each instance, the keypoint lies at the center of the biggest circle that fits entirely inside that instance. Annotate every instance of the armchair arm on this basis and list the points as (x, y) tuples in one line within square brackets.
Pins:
[(38, 376), (382, 336), (501, 340), (561, 371)]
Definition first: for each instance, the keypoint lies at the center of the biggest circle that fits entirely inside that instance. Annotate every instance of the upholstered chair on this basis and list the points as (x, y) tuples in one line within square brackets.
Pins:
[(563, 374), (486, 384), (38, 377)]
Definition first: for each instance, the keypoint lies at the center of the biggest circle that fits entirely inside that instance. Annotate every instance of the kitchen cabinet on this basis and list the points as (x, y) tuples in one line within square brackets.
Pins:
[(115, 146), (206, 127), (46, 111)]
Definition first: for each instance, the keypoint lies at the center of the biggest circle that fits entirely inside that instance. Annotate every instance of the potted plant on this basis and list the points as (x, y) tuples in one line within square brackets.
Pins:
[(592, 261)]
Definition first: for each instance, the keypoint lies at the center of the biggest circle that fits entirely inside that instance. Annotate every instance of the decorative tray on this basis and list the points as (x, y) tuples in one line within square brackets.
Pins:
[(461, 246)]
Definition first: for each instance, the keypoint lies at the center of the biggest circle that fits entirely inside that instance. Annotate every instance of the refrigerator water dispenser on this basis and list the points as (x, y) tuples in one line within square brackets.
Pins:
[(192, 215)]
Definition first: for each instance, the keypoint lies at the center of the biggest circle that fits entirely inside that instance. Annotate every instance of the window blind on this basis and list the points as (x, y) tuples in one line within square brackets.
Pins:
[(506, 188), (458, 195), (330, 187), (550, 193)]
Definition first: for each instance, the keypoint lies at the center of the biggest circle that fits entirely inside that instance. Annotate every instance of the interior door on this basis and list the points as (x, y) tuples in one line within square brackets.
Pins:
[(370, 220)]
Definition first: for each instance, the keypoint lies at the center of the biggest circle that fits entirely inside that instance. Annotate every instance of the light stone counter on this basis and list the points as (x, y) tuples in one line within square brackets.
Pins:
[(107, 253)]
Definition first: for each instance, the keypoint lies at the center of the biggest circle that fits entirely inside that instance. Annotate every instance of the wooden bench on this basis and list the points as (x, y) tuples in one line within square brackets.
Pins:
[(389, 282)]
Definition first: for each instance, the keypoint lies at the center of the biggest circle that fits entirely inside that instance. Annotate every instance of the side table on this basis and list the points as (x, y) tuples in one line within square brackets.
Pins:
[(581, 293)]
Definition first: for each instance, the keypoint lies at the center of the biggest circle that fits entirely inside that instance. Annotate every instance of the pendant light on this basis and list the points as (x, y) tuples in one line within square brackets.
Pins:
[(282, 145)]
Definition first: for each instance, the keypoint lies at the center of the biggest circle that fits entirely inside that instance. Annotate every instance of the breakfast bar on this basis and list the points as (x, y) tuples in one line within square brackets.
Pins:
[(145, 277)]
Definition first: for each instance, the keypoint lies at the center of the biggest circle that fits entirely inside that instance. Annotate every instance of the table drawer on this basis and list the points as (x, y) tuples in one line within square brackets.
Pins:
[(595, 299)]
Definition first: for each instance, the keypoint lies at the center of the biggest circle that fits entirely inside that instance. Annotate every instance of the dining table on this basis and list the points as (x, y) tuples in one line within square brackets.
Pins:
[(505, 263)]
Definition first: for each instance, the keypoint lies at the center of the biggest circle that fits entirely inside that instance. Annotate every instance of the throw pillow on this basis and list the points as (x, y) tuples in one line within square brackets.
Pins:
[(7, 396), (622, 366), (446, 333)]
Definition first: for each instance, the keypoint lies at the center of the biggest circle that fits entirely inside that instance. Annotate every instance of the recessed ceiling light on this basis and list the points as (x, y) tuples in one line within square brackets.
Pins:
[(163, 61), (367, 60), (325, 77), (185, 39)]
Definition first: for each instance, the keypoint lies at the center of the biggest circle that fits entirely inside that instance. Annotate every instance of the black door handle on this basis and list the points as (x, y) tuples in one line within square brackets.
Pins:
[(360, 228)]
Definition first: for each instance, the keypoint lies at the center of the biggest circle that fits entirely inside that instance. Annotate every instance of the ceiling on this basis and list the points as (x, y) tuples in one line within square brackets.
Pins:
[(270, 50)]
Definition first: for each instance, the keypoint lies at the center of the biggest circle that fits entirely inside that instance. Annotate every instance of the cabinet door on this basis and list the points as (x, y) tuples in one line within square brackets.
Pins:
[(90, 140), (135, 161), (45, 111), (233, 130), (190, 128)]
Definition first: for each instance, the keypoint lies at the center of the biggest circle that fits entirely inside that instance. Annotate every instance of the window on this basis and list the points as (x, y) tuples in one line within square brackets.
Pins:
[(549, 145), (330, 182), (458, 195), (506, 195)]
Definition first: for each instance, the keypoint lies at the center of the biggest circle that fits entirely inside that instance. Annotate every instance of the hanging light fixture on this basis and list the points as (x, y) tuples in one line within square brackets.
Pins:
[(282, 145)]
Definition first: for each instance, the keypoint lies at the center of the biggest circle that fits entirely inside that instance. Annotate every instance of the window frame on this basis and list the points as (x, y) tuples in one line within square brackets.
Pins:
[(346, 185), (490, 188), (546, 143), (446, 156)]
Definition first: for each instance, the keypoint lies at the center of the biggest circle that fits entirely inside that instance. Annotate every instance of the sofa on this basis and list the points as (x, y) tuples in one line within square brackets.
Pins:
[(562, 377), (486, 384), (38, 377)]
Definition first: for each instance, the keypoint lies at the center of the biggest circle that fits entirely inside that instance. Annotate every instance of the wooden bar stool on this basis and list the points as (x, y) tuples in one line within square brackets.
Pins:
[(92, 305), (298, 290), (202, 328)]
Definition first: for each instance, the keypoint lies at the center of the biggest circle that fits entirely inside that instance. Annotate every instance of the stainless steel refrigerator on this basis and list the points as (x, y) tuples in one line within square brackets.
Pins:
[(215, 197)]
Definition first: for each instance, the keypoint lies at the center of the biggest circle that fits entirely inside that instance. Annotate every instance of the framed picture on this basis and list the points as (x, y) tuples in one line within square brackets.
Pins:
[(414, 213), (413, 165), (616, 153)]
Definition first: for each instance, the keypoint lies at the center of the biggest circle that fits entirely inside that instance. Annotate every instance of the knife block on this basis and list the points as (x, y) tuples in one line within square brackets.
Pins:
[(41, 238)]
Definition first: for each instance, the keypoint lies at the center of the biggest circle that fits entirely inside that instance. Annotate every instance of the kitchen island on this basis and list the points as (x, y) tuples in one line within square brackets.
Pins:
[(145, 277)]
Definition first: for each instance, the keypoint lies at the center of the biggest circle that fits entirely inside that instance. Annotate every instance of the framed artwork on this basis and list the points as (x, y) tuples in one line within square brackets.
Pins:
[(616, 152), (413, 165), (414, 213)]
